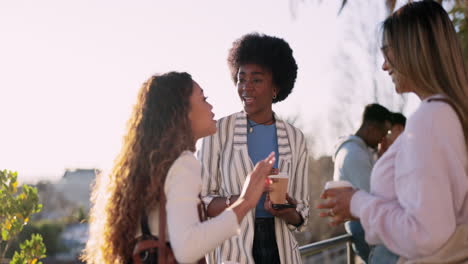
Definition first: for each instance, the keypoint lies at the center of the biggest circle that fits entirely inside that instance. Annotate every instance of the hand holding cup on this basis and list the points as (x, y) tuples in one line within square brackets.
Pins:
[(278, 188), (338, 195), (256, 181)]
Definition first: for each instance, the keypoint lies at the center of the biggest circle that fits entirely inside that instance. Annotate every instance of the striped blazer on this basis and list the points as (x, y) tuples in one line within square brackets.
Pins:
[(225, 165)]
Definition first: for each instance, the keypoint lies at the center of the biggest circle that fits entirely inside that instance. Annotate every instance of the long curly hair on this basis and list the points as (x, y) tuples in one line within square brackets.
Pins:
[(158, 132)]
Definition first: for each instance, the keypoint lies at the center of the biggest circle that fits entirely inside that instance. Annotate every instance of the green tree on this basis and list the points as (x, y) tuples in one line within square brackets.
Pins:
[(31, 251), (16, 208), (49, 230)]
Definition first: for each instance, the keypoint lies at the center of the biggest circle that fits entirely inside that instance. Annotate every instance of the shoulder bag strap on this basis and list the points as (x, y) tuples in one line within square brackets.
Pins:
[(445, 100)]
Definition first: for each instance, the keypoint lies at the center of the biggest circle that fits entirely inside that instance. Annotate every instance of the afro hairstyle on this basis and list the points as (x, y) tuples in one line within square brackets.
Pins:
[(272, 53)]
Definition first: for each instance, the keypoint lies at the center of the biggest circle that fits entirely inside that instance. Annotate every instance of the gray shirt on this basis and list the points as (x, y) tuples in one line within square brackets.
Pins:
[(353, 162)]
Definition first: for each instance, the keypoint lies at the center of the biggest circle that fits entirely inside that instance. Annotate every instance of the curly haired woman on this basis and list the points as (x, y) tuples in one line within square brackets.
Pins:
[(264, 71), (171, 114)]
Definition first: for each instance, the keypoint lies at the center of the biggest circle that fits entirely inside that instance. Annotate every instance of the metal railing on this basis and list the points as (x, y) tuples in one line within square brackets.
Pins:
[(320, 246)]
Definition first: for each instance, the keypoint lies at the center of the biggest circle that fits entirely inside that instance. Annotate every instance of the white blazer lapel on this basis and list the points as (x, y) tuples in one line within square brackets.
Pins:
[(242, 161)]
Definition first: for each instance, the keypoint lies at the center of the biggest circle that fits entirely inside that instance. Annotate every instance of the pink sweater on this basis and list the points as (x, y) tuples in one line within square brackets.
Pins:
[(419, 187)]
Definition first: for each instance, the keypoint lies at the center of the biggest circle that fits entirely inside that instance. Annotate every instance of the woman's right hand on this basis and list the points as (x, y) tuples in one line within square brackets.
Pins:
[(256, 181)]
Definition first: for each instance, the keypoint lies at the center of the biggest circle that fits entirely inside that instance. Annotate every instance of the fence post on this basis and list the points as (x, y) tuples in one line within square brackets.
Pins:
[(350, 253)]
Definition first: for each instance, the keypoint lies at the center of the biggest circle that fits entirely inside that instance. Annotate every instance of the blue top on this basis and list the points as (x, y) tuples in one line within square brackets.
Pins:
[(354, 161), (261, 142)]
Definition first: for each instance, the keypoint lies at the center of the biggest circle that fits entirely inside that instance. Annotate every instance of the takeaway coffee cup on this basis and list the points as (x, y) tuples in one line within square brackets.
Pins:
[(337, 185), (279, 188)]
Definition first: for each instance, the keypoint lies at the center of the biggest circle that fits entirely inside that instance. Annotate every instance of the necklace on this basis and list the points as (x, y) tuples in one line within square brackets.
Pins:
[(250, 126)]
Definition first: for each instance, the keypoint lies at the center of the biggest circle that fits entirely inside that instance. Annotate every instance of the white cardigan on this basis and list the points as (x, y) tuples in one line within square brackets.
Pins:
[(190, 239), (225, 165)]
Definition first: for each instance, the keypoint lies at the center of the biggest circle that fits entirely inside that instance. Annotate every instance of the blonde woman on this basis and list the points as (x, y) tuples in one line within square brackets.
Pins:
[(417, 208)]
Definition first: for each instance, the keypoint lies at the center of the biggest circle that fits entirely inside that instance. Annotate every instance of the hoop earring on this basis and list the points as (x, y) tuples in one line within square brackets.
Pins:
[(274, 96)]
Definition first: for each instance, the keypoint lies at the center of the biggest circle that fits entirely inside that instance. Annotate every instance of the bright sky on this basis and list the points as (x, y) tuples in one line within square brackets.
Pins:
[(70, 70)]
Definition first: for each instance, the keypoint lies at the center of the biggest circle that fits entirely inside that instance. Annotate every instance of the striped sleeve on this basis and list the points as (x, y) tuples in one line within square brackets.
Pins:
[(301, 191), (209, 158)]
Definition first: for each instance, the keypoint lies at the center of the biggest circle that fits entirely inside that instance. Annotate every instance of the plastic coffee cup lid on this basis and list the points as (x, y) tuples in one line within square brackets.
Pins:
[(281, 175), (337, 184)]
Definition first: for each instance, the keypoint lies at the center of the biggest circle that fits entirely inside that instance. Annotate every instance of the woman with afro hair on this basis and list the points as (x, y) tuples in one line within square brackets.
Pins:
[(264, 71)]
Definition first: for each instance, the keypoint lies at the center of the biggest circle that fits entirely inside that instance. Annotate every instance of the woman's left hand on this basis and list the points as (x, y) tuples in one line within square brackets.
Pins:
[(339, 201), (290, 215)]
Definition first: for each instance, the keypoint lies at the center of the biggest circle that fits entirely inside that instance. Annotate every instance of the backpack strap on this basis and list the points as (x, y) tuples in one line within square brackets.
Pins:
[(160, 242), (202, 215), (163, 247), (144, 224), (162, 226)]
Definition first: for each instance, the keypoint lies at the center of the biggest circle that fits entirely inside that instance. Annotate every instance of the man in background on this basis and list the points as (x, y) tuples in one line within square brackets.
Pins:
[(353, 161), (398, 126)]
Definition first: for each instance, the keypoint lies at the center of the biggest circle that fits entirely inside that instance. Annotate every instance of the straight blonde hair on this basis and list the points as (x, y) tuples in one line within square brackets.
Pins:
[(428, 52)]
